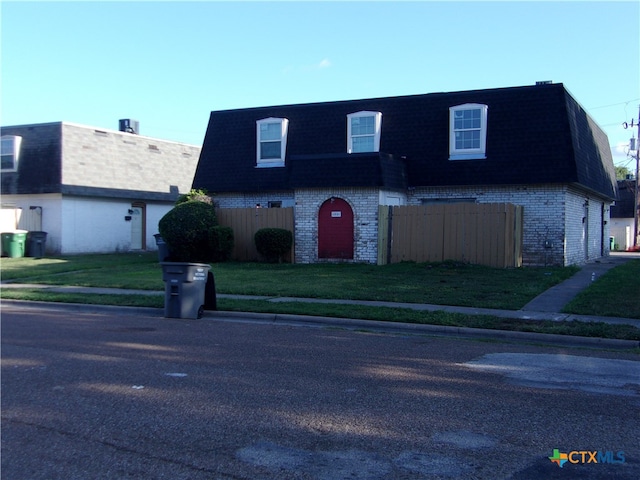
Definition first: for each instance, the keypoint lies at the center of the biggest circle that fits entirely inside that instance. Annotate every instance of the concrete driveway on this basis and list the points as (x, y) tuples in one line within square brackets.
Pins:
[(105, 394)]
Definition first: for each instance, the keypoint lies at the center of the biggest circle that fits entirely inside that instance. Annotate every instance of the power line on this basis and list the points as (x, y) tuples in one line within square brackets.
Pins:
[(615, 104)]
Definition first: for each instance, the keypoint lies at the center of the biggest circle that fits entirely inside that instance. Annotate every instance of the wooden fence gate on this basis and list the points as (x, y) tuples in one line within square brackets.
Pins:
[(479, 233), (245, 222)]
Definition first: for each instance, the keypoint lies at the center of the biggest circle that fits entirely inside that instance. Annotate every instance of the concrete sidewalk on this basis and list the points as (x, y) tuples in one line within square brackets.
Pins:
[(546, 306), (554, 299)]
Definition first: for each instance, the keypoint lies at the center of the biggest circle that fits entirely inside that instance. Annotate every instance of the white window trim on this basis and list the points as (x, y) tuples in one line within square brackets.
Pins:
[(284, 128), (16, 143), (377, 129), (468, 153)]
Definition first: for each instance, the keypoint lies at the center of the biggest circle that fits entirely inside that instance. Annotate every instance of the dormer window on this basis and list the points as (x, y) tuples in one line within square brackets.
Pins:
[(10, 153), (271, 135), (363, 132), (468, 132)]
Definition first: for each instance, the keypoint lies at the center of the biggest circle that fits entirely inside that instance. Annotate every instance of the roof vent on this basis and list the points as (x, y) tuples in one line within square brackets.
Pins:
[(130, 126), (544, 82)]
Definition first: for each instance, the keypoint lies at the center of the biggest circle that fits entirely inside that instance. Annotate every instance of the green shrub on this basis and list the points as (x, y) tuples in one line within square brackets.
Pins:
[(195, 195), (273, 243), (221, 243), (186, 229)]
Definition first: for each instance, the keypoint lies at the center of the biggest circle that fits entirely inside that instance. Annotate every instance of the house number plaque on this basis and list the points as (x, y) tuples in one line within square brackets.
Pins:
[(336, 214)]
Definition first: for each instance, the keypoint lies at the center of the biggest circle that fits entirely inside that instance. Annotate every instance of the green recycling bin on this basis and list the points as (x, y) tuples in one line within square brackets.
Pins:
[(13, 243), (185, 285)]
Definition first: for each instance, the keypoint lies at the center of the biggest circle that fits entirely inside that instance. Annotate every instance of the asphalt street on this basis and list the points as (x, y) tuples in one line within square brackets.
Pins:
[(128, 394)]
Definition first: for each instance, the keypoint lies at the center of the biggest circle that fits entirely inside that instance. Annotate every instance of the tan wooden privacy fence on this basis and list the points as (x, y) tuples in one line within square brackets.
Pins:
[(479, 233), (245, 222)]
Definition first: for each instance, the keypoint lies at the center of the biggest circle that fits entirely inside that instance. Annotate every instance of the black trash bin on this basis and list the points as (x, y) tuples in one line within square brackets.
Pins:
[(210, 299), (185, 285), (36, 242), (163, 248)]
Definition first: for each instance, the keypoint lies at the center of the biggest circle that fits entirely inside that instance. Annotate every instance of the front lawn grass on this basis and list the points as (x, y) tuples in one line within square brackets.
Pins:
[(615, 294), (447, 283)]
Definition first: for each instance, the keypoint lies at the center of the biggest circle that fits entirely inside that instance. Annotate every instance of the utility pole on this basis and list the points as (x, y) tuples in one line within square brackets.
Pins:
[(636, 193)]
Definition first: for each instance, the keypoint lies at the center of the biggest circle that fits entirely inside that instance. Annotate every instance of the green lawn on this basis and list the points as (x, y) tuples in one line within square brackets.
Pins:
[(448, 283), (615, 294)]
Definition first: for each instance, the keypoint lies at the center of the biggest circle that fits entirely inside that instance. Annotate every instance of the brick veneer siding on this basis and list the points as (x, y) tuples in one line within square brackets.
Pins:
[(553, 232), (364, 203), (250, 200), (552, 219)]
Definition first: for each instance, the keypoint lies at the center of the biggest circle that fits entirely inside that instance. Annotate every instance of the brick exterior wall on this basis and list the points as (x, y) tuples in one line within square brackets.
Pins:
[(364, 203), (250, 200), (553, 232)]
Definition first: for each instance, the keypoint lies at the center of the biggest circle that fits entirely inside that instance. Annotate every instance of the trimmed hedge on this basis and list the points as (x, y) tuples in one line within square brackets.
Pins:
[(273, 243), (186, 229), (221, 242)]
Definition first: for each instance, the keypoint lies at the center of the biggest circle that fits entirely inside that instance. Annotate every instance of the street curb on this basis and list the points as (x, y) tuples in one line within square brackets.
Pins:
[(354, 324), (431, 330)]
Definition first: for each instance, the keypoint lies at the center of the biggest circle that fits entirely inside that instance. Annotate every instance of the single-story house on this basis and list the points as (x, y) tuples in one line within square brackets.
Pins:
[(91, 189), (622, 218), (336, 162)]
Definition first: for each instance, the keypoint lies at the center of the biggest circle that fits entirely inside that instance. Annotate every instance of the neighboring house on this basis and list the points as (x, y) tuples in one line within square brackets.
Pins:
[(622, 219), (336, 162), (91, 189)]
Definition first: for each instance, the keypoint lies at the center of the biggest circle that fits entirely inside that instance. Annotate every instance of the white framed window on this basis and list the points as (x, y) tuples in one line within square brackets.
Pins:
[(468, 131), (363, 132), (10, 153), (271, 141)]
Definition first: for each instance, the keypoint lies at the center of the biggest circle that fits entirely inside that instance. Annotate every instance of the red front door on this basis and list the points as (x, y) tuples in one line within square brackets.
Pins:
[(335, 230)]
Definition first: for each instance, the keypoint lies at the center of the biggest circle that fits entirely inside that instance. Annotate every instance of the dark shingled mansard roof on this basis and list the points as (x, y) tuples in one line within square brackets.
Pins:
[(625, 204), (535, 135)]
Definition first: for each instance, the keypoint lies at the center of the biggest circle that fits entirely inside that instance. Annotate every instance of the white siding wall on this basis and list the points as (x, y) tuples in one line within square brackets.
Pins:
[(622, 231), (86, 225), (155, 211), (99, 226)]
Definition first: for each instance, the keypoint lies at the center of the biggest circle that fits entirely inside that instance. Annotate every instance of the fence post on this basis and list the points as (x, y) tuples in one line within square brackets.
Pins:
[(385, 215)]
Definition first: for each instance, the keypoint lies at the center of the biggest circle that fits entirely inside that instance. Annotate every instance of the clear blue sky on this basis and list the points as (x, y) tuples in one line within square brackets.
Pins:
[(168, 64)]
